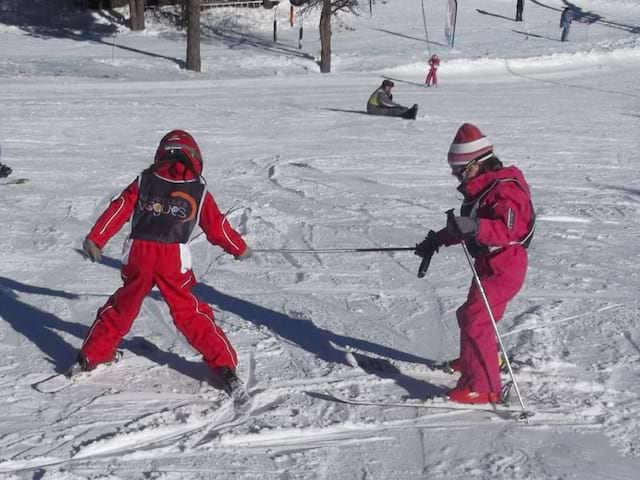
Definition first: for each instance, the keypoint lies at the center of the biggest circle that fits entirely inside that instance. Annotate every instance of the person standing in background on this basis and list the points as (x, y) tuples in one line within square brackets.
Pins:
[(519, 9), (432, 76), (565, 23)]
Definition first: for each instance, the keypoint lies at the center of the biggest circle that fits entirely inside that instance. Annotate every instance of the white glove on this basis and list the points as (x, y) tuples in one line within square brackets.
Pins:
[(246, 254), (92, 251)]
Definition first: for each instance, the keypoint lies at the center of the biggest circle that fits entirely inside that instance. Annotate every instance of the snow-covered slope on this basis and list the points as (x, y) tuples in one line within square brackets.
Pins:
[(290, 152)]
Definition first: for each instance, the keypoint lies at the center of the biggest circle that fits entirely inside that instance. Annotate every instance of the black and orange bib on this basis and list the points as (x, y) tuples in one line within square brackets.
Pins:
[(166, 211)]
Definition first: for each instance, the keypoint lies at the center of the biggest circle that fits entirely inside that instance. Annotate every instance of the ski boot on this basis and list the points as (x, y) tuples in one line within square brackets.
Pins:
[(464, 395), (84, 365), (234, 387), (5, 171)]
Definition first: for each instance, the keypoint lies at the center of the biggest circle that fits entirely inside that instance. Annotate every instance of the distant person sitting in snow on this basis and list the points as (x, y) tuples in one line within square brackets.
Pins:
[(5, 171), (163, 206), (565, 23), (381, 103)]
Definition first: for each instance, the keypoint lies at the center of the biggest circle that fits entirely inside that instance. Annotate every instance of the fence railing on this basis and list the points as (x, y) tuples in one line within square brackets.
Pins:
[(207, 4)]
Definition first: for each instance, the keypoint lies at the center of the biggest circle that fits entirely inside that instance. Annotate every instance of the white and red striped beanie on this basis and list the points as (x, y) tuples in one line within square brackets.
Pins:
[(469, 145)]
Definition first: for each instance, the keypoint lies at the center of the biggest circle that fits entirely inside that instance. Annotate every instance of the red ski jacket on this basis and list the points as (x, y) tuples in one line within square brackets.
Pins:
[(501, 202)]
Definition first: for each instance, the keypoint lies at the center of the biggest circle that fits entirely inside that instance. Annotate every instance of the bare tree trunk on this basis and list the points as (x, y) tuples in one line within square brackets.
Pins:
[(184, 13), (193, 36), (140, 7), (325, 37), (133, 14), (136, 15)]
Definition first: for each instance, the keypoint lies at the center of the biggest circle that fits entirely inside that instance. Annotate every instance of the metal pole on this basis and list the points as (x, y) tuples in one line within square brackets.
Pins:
[(275, 24), (426, 32), (455, 21), (335, 250)]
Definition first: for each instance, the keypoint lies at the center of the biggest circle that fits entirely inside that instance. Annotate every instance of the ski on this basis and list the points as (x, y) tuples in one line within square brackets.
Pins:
[(503, 411), (377, 364), (73, 375), (14, 181)]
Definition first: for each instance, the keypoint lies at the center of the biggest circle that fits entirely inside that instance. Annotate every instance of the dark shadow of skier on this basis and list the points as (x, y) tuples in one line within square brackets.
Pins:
[(40, 327), (535, 35), (346, 111), (579, 15), (484, 12), (308, 336), (45, 330), (417, 39)]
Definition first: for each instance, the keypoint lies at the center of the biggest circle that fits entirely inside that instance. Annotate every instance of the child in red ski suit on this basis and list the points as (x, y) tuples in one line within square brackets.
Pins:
[(164, 204), (432, 77), (496, 222)]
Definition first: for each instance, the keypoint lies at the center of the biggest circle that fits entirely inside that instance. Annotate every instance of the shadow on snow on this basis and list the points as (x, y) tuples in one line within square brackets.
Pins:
[(44, 330), (582, 16), (484, 12), (81, 26), (404, 35)]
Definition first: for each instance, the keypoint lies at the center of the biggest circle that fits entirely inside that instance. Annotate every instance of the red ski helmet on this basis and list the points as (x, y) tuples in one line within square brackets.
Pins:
[(179, 141), (435, 59)]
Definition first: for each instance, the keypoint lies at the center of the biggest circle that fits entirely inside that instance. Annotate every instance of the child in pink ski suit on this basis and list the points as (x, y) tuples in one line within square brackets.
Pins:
[(496, 222), (163, 204), (432, 77)]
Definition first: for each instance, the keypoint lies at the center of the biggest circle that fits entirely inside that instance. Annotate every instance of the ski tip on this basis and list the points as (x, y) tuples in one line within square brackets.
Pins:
[(351, 360)]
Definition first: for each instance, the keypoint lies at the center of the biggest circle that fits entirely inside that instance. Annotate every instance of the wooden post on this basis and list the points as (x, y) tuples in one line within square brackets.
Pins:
[(193, 36)]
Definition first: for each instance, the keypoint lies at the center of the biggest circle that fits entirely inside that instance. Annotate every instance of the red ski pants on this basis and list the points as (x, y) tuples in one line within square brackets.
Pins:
[(149, 264), (501, 276), (432, 77)]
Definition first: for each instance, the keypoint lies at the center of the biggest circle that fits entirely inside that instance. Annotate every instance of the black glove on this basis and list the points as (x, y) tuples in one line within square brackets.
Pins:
[(462, 227), (426, 249), (429, 245)]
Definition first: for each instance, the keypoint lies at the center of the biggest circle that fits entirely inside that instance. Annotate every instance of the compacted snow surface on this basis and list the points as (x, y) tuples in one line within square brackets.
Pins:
[(289, 153)]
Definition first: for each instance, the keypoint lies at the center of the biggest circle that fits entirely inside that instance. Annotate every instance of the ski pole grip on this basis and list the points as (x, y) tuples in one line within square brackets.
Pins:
[(424, 265)]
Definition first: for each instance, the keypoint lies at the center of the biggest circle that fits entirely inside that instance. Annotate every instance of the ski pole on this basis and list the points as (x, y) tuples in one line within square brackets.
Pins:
[(451, 218), (333, 250)]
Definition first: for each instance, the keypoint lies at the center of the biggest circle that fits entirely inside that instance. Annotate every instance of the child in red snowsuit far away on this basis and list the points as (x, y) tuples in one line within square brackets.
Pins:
[(432, 76), (496, 222), (163, 204)]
